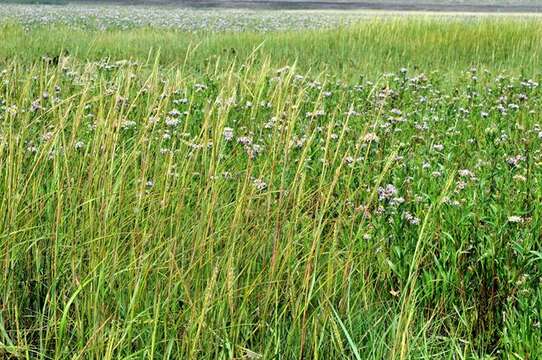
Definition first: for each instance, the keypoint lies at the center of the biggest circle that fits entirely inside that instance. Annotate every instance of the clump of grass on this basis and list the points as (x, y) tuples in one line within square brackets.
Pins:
[(246, 210)]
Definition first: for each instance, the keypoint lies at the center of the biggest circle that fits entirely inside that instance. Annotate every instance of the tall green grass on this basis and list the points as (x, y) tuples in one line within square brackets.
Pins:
[(128, 231), (370, 48)]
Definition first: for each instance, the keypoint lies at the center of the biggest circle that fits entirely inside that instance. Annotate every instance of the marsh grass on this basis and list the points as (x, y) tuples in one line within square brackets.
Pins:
[(393, 218), (449, 44)]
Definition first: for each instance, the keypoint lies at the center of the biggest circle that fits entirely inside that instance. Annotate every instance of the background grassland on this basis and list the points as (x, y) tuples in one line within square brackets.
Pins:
[(435, 44), (126, 236)]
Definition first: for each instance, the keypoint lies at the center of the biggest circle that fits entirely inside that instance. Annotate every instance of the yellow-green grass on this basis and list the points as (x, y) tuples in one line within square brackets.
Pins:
[(370, 48), (384, 216)]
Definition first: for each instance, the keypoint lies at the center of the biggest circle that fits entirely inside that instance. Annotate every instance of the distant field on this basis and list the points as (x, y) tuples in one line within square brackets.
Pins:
[(505, 6), (106, 16), (420, 5)]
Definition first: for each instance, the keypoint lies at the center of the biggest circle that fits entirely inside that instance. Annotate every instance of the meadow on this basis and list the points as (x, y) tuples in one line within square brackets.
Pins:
[(365, 190)]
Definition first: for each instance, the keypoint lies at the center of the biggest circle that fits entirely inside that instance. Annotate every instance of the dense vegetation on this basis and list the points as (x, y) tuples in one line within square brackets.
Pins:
[(361, 193)]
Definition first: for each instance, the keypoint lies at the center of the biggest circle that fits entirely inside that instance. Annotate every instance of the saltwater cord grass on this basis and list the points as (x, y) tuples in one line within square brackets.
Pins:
[(370, 48), (155, 207)]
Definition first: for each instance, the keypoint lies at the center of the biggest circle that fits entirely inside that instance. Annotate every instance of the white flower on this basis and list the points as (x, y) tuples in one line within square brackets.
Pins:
[(413, 220), (466, 173), (370, 137), (244, 140), (349, 160), (228, 134), (128, 124), (174, 113), (515, 219), (386, 192), (259, 184), (172, 122), (47, 136), (397, 201), (515, 160)]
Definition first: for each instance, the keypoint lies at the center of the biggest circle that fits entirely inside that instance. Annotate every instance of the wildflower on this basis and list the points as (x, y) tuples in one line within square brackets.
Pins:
[(412, 220), (466, 173), (35, 106), (227, 175), (174, 113), (270, 124), (513, 106), (351, 112), (438, 147), (228, 134), (397, 201), (120, 100), (515, 219), (128, 124), (422, 127), (370, 137), (348, 160), (79, 145), (171, 122), (180, 101), (253, 150), (259, 184), (244, 140), (386, 192), (47, 136), (514, 161), (461, 185)]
